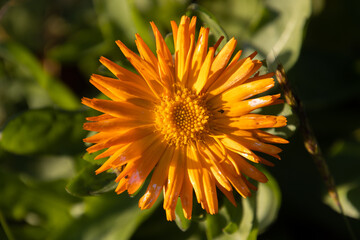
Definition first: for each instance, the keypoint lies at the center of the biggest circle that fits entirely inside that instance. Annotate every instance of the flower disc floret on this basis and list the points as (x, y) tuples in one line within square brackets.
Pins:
[(182, 118)]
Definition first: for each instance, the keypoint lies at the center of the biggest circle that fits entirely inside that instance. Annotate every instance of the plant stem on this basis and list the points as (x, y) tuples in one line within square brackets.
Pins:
[(311, 143)]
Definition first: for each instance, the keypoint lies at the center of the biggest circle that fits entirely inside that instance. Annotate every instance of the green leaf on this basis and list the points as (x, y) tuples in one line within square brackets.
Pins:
[(349, 195), (279, 36), (42, 207), (24, 60), (108, 217), (268, 201), (209, 20), (181, 221), (87, 183), (344, 165), (214, 225), (231, 228), (248, 228), (142, 26), (44, 131), (239, 20), (234, 222), (251, 217), (115, 20), (274, 28)]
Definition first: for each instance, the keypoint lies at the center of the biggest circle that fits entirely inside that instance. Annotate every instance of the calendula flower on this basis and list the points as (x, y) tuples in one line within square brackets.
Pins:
[(187, 118)]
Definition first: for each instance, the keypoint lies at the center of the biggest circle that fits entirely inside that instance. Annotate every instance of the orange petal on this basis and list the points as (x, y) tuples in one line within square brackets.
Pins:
[(255, 134), (216, 45), (210, 191), (116, 109), (187, 67), (240, 108), (174, 28), (158, 180), (252, 55), (235, 180), (186, 196), (182, 48), (192, 26), (115, 124), (227, 193), (170, 214), (122, 73), (241, 92), (149, 74), (211, 160), (233, 76), (220, 61), (129, 153), (246, 168), (108, 93), (266, 162), (259, 77), (121, 187), (198, 56), (204, 72), (123, 138), (110, 151), (255, 121), (100, 117), (121, 89), (99, 137), (145, 52), (145, 165), (194, 169), (256, 145), (234, 60), (161, 47), (249, 184), (268, 137), (240, 149), (111, 162), (175, 179), (165, 73)]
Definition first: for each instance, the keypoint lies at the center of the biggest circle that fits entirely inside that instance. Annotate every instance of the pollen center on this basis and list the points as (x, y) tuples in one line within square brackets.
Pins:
[(182, 118)]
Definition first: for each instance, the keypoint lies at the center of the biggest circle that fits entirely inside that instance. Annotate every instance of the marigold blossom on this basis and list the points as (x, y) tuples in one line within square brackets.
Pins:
[(187, 118)]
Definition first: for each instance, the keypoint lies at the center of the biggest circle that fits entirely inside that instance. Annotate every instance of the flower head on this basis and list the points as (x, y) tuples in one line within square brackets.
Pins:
[(187, 118)]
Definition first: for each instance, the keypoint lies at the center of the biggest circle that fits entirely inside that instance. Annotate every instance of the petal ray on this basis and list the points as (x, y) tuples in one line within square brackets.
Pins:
[(158, 180)]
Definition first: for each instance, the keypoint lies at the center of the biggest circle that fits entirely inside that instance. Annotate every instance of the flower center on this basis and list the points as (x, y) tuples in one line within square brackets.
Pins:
[(181, 118)]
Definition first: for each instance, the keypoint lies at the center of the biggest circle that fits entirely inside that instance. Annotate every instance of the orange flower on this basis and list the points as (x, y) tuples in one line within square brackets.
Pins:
[(186, 118)]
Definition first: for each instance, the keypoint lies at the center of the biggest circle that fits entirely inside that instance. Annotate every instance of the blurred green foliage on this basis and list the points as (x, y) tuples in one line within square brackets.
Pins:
[(48, 50)]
